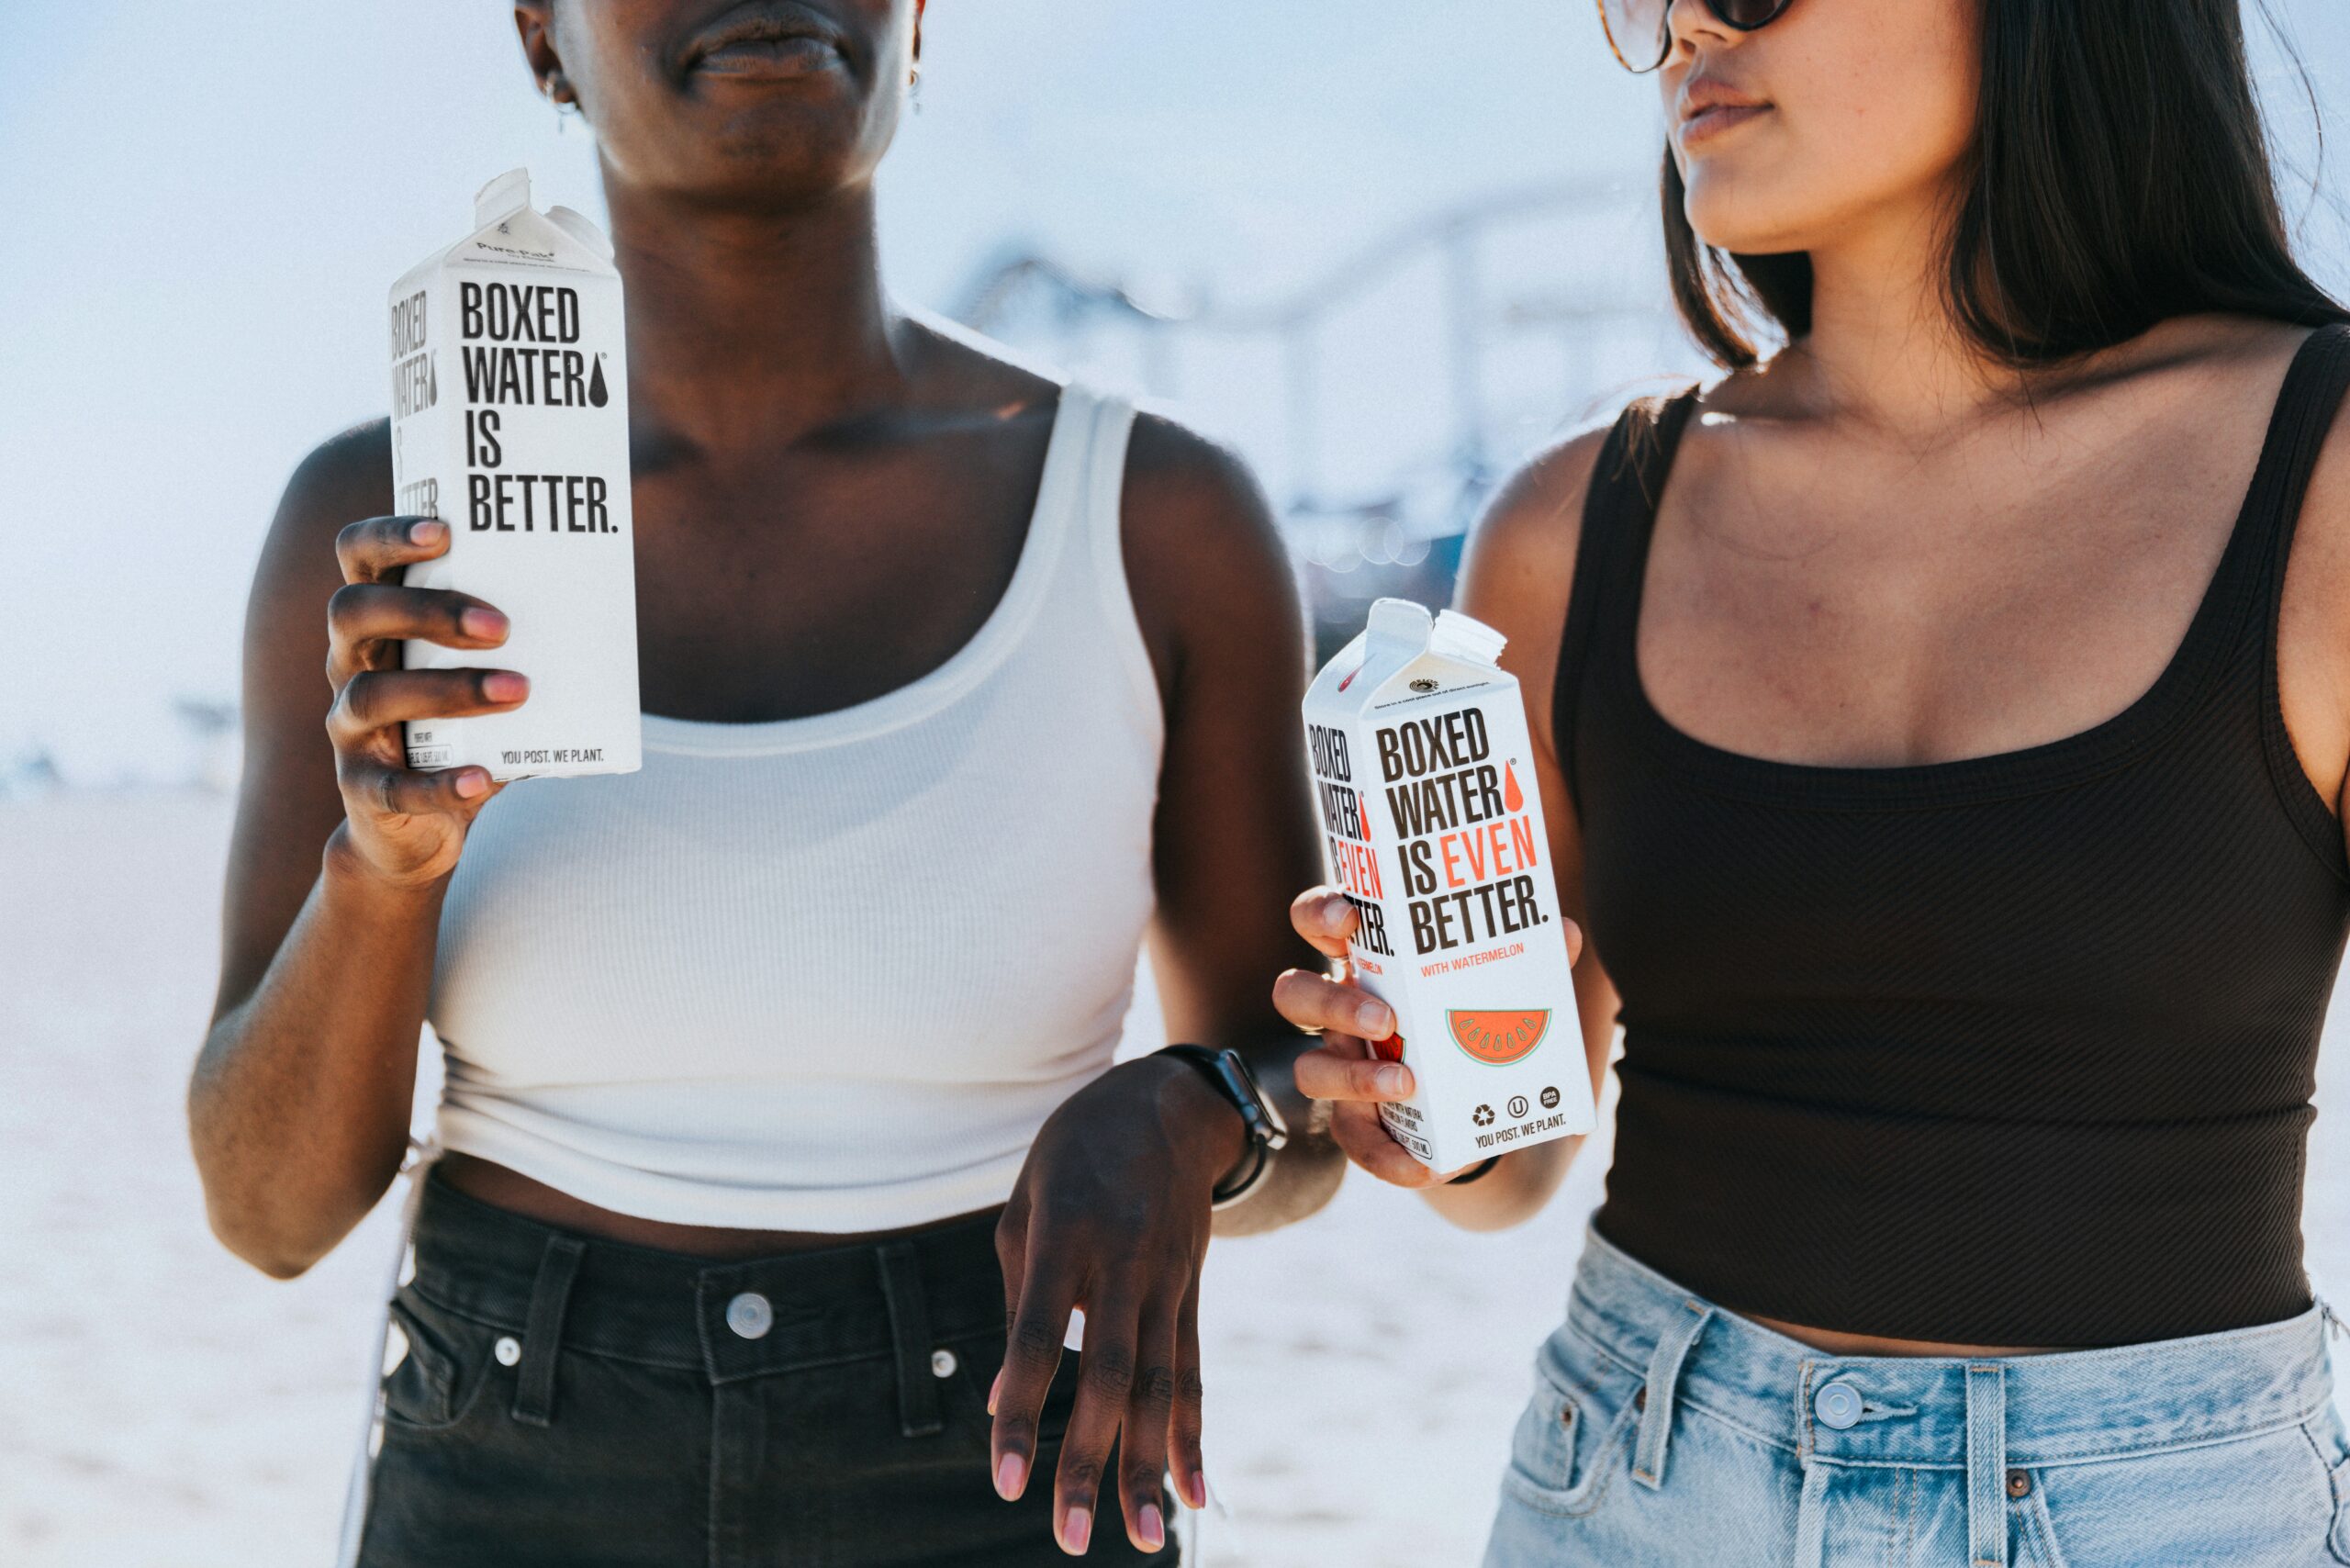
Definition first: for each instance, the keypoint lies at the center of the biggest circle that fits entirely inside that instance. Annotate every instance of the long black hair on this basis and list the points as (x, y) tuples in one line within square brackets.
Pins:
[(2118, 176)]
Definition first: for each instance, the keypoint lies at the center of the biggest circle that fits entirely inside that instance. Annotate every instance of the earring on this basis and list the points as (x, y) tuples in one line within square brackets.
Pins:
[(913, 86)]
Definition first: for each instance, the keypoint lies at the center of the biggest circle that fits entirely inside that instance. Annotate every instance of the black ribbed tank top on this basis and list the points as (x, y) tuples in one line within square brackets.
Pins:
[(2013, 1050)]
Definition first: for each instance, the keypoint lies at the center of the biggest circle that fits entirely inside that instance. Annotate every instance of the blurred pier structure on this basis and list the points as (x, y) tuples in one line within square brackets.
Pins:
[(1383, 397)]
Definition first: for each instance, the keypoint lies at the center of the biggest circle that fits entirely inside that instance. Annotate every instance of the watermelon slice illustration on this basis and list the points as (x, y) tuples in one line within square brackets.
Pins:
[(1496, 1038), (1389, 1049)]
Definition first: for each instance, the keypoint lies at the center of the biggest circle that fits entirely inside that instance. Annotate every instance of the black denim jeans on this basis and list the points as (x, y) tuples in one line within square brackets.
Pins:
[(569, 1401)]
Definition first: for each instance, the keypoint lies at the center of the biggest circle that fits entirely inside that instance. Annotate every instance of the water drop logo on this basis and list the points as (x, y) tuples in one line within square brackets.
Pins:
[(1513, 797), (597, 395)]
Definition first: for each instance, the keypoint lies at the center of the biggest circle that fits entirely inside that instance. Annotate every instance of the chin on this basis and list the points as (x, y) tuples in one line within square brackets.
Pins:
[(1743, 216), (780, 150)]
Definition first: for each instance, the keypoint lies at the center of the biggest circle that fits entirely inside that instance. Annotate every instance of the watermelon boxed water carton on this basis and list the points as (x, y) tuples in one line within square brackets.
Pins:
[(509, 423), (1433, 830)]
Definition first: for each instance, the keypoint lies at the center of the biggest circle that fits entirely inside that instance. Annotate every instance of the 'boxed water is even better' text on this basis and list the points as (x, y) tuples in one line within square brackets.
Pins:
[(1433, 829), (509, 423)]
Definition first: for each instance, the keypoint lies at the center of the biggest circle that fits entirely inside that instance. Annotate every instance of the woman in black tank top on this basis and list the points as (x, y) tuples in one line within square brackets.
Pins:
[(1948, 713)]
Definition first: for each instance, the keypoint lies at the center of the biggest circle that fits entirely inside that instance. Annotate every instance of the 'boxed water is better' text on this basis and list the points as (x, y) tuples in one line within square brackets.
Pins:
[(1433, 829), (509, 423)]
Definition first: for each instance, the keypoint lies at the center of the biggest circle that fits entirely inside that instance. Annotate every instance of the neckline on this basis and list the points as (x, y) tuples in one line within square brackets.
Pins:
[(2213, 631), (1048, 520)]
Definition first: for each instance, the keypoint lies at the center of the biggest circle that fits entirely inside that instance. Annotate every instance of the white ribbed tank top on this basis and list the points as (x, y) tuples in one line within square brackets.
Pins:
[(830, 973)]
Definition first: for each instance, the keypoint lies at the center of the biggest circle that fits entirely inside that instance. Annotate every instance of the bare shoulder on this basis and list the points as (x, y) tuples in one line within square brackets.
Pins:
[(1182, 484), (351, 469), (1527, 538), (1521, 562), (1205, 559), (345, 478)]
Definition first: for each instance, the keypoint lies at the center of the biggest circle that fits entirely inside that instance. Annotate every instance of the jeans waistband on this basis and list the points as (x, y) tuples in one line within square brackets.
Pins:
[(2065, 1408), (894, 1298)]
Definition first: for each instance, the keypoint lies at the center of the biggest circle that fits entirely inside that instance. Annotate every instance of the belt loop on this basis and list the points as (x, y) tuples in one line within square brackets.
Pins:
[(1986, 1464), (1658, 1394), (918, 1413), (542, 1330)]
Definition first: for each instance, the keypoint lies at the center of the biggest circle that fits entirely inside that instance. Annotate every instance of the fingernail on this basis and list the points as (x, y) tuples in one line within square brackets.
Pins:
[(1374, 1019), (1076, 1530), (428, 531), (1391, 1080), (482, 623), (1151, 1528), (1010, 1474), (472, 781), (506, 687), (993, 1389), (1199, 1498)]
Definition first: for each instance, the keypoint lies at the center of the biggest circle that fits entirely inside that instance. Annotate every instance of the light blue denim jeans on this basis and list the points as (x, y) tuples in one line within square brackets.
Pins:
[(1666, 1431)]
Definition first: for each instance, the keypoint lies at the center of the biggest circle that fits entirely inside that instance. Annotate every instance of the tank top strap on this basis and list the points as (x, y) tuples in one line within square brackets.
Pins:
[(1096, 565), (2306, 409), (1611, 552)]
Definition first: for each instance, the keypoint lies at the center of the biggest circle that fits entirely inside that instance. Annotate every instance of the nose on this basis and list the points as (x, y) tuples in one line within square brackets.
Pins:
[(1691, 22)]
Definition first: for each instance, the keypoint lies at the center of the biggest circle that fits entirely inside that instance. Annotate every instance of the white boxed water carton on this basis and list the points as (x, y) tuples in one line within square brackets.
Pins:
[(509, 423), (1433, 829)]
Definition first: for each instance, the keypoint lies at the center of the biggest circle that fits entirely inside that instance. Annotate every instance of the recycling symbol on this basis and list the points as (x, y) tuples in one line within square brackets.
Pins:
[(1484, 1116)]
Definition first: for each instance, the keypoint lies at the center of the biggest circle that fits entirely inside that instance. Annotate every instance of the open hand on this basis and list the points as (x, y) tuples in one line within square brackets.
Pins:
[(1112, 1215)]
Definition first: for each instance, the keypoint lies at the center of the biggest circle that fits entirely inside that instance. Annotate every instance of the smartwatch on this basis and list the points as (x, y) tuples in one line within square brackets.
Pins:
[(1228, 1071)]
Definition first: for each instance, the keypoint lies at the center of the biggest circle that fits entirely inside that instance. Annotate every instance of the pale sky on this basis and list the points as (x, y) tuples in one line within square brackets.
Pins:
[(207, 202)]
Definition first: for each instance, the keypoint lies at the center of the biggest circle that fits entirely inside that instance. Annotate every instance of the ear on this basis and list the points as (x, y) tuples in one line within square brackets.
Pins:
[(534, 20)]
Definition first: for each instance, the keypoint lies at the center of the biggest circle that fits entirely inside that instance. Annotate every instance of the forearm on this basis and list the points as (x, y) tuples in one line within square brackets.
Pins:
[(298, 1106), (1512, 1193), (1306, 1173)]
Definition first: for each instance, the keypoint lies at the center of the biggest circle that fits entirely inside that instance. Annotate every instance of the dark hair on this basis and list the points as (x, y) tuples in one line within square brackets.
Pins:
[(2118, 176)]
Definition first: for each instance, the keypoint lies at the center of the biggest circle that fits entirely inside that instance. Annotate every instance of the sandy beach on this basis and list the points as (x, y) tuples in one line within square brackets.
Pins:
[(167, 1407)]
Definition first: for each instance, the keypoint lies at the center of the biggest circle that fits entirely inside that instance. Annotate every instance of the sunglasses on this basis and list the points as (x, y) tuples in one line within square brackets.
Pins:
[(1637, 33)]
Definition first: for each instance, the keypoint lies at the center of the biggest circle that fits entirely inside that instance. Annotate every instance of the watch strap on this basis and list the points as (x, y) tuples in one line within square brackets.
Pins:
[(1258, 1119)]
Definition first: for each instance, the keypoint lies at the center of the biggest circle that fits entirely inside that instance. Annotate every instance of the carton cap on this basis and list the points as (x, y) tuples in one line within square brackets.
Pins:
[(1407, 631), (505, 194), (1398, 621)]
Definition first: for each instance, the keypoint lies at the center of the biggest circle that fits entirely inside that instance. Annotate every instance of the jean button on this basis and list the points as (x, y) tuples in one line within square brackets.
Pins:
[(750, 1316), (943, 1363), (1837, 1405)]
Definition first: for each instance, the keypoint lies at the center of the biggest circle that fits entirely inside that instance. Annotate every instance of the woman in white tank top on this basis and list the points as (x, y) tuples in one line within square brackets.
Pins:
[(776, 1070)]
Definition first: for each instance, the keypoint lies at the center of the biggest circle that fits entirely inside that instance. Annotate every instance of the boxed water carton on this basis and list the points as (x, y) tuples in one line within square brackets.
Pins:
[(509, 423), (1433, 830)]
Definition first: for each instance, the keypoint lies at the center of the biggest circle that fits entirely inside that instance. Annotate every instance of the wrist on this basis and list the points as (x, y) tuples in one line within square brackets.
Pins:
[(347, 872), (1197, 1116)]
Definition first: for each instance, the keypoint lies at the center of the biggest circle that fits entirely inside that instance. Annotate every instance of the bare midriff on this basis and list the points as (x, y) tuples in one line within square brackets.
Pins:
[(510, 1189), (1840, 1344)]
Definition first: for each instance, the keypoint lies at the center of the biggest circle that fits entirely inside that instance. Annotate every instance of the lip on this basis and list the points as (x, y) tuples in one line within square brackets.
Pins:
[(767, 39), (1708, 108)]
